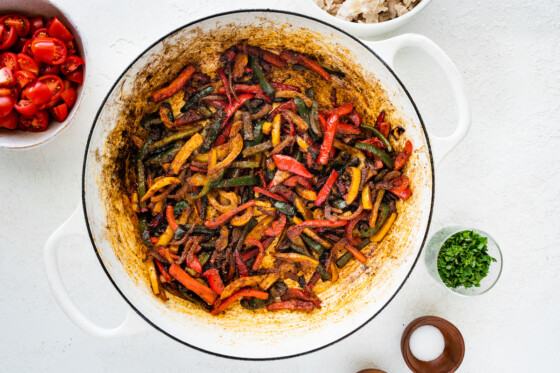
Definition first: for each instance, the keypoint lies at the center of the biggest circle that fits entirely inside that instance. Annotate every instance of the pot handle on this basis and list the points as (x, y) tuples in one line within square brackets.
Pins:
[(132, 324), (387, 49)]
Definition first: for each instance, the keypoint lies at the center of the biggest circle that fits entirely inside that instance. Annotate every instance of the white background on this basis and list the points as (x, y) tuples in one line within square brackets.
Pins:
[(504, 178)]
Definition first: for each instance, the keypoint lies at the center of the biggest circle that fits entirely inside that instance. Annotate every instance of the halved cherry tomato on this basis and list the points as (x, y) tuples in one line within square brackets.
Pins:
[(20, 43), (8, 36), (37, 92), (10, 121), (26, 49), (54, 83), (7, 103), (71, 48), (40, 33), (28, 64), (8, 59), (69, 96), (50, 104), (76, 76), (35, 123), (60, 112), (7, 77), (36, 23), (24, 77), (48, 50), (71, 64), (19, 22), (26, 107), (58, 30), (49, 69)]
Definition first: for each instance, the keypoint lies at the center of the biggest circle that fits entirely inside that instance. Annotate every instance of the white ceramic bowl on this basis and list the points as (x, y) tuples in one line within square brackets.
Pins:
[(16, 139), (362, 29)]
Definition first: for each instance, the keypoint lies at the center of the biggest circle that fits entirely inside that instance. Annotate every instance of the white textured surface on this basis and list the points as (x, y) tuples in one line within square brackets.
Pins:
[(503, 178)]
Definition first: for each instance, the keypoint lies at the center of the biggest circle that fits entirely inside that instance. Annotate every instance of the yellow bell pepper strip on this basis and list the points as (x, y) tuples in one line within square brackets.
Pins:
[(222, 150), (153, 275), (235, 148), (366, 198), (176, 85), (230, 197), (302, 144), (279, 177), (220, 306), (267, 127), (221, 208), (241, 220), (298, 121), (158, 185), (225, 217), (258, 231), (275, 135), (326, 189), (222, 241), (297, 229), (211, 183), (293, 94), (299, 258), (352, 151), (165, 237), (190, 146), (269, 280), (334, 272), (166, 115), (384, 229), (198, 179), (356, 177), (242, 282), (212, 161), (289, 164), (190, 283), (302, 208)]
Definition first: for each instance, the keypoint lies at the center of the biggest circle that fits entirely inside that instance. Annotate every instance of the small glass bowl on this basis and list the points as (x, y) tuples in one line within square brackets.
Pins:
[(437, 241)]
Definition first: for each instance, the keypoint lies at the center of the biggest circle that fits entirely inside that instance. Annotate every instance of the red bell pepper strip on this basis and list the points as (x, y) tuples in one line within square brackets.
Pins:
[(241, 267), (270, 194), (400, 187), (305, 61), (322, 122), (403, 156), (243, 88), (294, 180), (298, 228), (293, 293), (348, 129), (154, 239), (199, 169), (262, 178), (164, 252), (286, 163), (341, 110), (326, 189), (355, 117), (203, 291), (288, 105), (163, 271), (214, 280), (384, 128), (175, 86), (357, 253), (380, 117), (291, 305), (403, 194), (218, 104), (195, 264), (273, 59), (250, 254), (260, 255), (328, 139), (284, 87), (313, 281), (377, 162), (276, 227), (171, 218), (246, 292), (232, 108), (226, 216), (350, 227), (230, 54), (225, 82), (375, 142)]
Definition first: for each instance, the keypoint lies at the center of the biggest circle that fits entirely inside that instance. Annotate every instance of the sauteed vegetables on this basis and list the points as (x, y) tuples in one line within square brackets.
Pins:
[(247, 189)]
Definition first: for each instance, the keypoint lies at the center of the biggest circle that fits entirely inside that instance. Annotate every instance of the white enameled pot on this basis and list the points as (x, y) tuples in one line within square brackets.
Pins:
[(361, 292)]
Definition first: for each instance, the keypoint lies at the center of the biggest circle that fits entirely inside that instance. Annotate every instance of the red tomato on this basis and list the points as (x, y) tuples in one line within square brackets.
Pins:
[(71, 64), (58, 30), (36, 23), (9, 121), (60, 112), (48, 50), (26, 107), (6, 104), (23, 78), (49, 69), (9, 60), (76, 76), (28, 64), (7, 77), (54, 83), (40, 33), (37, 92), (69, 96), (8, 36), (35, 123), (19, 22), (26, 49), (71, 48)]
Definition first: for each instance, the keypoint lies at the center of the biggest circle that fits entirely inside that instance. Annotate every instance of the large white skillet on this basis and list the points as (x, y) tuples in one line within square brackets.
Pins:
[(265, 335)]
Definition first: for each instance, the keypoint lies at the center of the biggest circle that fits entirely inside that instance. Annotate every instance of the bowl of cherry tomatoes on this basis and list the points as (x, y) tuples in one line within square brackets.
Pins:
[(42, 73)]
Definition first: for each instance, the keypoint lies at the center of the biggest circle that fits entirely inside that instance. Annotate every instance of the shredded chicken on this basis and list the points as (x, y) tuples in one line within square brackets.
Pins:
[(367, 11)]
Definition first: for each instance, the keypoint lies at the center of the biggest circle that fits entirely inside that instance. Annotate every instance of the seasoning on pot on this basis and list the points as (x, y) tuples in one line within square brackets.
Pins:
[(426, 343)]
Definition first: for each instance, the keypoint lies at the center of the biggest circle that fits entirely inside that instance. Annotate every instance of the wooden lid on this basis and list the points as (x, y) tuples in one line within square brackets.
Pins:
[(452, 355)]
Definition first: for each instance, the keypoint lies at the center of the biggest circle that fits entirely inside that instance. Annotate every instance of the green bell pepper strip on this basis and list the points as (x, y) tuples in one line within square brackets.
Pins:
[(150, 120), (199, 229), (164, 157), (203, 258), (204, 111), (301, 108), (245, 164), (210, 184), (174, 137), (316, 132), (379, 135), (257, 134), (140, 171), (385, 157), (144, 234), (238, 181), (316, 246), (195, 98), (179, 207), (324, 275), (383, 215), (284, 208), (210, 133), (266, 87), (344, 259), (252, 223), (247, 152)]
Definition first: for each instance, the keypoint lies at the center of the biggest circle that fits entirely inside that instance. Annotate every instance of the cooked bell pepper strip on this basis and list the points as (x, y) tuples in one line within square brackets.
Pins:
[(301, 59), (328, 139), (241, 220), (198, 179), (235, 148), (403, 156), (284, 208), (403, 194), (385, 157), (276, 227), (266, 87), (299, 258), (307, 194), (273, 59), (298, 228), (352, 151), (366, 198), (171, 218), (259, 148), (291, 305), (225, 82), (162, 270), (239, 283), (326, 189), (260, 256), (348, 230), (356, 177), (275, 133), (196, 97), (243, 88), (190, 283), (225, 217), (270, 194), (356, 253), (190, 146), (230, 197), (347, 129), (153, 275), (298, 121), (245, 164), (175, 137), (176, 85), (214, 280), (166, 115), (210, 132), (238, 181), (384, 128), (267, 127), (247, 292), (211, 183), (378, 216), (285, 87), (306, 101), (384, 229), (341, 110), (293, 293), (234, 106), (242, 270), (285, 106), (302, 108), (355, 117), (380, 117), (380, 136), (289, 164), (257, 232), (195, 264), (158, 185)]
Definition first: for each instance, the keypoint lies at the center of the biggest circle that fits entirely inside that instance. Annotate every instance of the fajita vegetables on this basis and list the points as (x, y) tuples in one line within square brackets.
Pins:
[(247, 189)]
